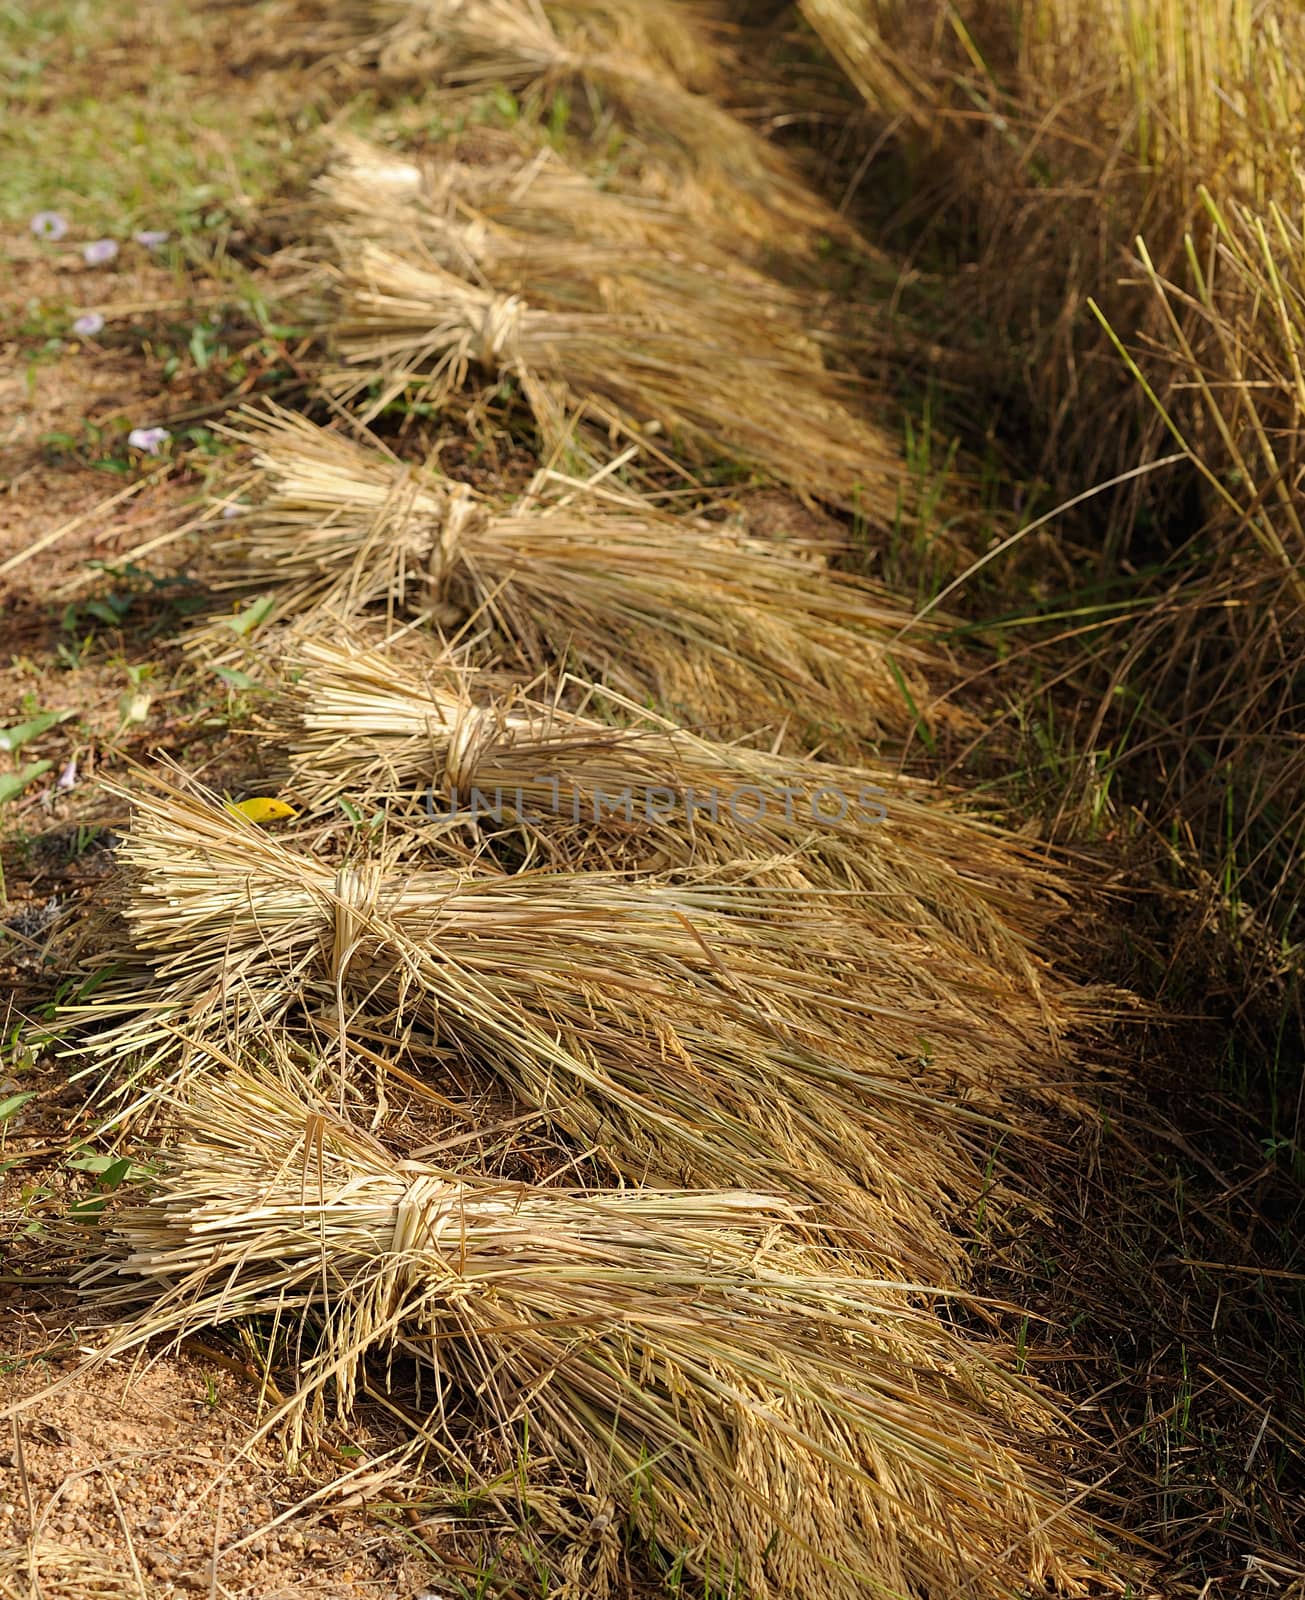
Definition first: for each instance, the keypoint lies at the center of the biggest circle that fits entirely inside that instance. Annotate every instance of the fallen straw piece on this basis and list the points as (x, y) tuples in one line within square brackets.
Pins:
[(676, 1363), (716, 625)]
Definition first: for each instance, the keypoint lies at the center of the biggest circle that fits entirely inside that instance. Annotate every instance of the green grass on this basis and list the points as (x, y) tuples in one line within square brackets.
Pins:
[(145, 151)]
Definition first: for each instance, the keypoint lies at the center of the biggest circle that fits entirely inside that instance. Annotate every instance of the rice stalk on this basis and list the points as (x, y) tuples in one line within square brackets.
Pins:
[(699, 1029), (721, 627), (696, 1378)]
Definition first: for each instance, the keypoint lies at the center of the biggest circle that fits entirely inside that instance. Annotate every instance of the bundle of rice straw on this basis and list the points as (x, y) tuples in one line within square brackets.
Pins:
[(517, 184), (686, 612), (686, 359), (702, 1030), (668, 1366), (412, 730), (641, 68), (540, 229)]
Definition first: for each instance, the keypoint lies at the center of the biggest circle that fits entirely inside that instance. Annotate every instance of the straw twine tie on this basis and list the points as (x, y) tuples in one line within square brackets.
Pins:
[(499, 332), (430, 1208), (354, 896), (461, 515), (473, 733)]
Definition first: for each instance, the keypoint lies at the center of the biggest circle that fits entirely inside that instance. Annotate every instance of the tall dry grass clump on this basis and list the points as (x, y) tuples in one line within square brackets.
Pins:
[(1050, 135), (664, 1365), (1130, 178)]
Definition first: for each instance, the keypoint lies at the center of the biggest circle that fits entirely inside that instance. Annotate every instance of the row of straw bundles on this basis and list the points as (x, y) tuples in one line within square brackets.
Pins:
[(400, 726), (699, 1029), (706, 343), (673, 1366), (640, 69), (688, 613)]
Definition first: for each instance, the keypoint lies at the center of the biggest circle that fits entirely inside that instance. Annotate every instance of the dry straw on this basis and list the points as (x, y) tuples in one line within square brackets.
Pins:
[(714, 624), (42, 1568), (527, 223), (517, 185), (642, 70), (411, 730), (667, 1365), (701, 1029), (684, 357)]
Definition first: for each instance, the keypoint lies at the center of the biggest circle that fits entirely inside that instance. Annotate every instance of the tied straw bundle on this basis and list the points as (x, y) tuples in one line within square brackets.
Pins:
[(718, 625), (511, 184), (537, 227), (394, 723), (680, 1362), (685, 356), (707, 1031), (645, 68)]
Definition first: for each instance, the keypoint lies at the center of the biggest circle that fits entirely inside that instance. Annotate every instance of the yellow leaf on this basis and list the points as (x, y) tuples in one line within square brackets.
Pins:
[(261, 809)]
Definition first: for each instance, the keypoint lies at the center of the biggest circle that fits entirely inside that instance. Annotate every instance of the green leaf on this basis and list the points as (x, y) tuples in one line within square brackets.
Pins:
[(15, 782), (199, 347), (252, 616), (235, 678), (12, 739), (12, 1102), (91, 1163)]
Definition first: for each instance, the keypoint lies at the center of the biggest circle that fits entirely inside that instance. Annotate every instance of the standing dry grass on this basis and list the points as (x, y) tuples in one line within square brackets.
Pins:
[(1169, 311)]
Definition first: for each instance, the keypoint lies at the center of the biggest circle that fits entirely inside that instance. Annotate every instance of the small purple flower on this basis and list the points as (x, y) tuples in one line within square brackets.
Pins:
[(232, 511), (67, 777), (89, 324), (99, 251), (150, 440), (49, 225), (152, 238)]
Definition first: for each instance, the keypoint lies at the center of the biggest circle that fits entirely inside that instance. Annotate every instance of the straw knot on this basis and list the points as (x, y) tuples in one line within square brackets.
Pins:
[(354, 896), (428, 1205), (473, 733), (460, 512), (500, 328)]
